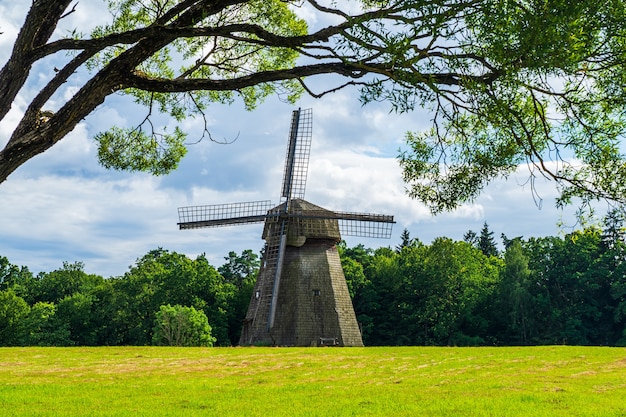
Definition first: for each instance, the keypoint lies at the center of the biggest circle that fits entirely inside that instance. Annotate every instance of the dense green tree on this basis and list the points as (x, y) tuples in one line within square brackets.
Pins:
[(240, 271), (613, 264), (361, 254), (461, 283), (7, 272), (63, 282), (76, 312), (352, 260), (13, 311), (377, 306), (68, 306), (19, 279), (42, 328), (618, 293), (107, 313), (515, 297), (181, 326), (355, 277), (614, 231), (428, 294), (571, 289), (355, 261)]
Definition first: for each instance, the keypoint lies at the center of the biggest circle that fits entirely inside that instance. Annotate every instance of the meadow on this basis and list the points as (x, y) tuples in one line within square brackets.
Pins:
[(373, 381)]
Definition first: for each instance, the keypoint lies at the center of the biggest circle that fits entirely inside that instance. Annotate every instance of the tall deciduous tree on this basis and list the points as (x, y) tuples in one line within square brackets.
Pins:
[(461, 282), (64, 282), (515, 295), (508, 81), (19, 279), (571, 288), (13, 311), (41, 327), (240, 271)]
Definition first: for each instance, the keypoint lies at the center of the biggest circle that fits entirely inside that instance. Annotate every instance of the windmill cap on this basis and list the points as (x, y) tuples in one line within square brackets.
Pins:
[(305, 221)]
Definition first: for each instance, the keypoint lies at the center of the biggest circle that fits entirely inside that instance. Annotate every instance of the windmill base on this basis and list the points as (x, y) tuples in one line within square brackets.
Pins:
[(313, 306)]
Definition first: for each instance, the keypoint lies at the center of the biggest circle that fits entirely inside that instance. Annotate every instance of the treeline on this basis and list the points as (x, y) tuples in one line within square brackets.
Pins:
[(551, 290), (69, 307), (540, 291)]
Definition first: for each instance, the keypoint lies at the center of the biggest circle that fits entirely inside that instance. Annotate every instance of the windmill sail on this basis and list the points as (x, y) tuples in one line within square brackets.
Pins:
[(195, 217), (298, 151)]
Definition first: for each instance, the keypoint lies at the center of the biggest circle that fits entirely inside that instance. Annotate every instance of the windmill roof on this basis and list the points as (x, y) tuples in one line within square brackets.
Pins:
[(300, 205), (307, 221)]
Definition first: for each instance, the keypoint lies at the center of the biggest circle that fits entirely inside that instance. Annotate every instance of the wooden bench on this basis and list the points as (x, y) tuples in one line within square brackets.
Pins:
[(329, 341)]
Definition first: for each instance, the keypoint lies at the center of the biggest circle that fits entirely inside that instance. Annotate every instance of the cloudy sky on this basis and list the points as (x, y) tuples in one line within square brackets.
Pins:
[(62, 206)]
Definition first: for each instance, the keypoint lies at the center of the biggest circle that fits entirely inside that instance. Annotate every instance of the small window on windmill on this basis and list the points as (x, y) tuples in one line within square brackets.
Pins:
[(257, 294), (317, 293)]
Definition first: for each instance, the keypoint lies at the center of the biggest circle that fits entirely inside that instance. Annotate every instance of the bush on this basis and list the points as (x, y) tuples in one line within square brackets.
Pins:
[(181, 326)]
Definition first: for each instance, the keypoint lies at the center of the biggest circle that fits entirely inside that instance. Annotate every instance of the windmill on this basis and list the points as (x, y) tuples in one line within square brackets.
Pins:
[(300, 297)]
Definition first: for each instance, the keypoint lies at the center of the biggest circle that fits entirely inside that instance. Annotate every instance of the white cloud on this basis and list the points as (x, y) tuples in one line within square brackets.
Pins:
[(85, 15), (12, 13), (11, 120), (306, 12), (317, 20)]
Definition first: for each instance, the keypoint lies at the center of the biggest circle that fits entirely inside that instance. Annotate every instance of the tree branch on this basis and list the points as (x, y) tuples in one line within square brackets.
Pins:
[(39, 25)]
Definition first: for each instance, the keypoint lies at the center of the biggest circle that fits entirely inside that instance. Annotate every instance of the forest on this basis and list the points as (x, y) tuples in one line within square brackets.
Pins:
[(568, 289)]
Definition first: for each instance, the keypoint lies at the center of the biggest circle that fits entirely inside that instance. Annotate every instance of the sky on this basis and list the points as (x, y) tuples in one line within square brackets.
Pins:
[(61, 206)]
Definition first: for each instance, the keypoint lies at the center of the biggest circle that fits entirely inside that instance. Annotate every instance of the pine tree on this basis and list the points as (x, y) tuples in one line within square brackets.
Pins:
[(405, 240), (486, 242), (471, 237)]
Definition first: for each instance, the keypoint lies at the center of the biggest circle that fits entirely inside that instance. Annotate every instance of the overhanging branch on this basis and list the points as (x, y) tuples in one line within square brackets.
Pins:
[(160, 85)]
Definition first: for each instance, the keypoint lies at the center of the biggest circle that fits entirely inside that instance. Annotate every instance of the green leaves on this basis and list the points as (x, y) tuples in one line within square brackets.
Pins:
[(227, 43), (13, 310), (443, 168), (550, 97), (181, 326), (132, 149)]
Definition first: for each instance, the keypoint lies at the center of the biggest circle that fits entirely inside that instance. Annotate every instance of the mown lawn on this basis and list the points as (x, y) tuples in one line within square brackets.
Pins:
[(390, 381)]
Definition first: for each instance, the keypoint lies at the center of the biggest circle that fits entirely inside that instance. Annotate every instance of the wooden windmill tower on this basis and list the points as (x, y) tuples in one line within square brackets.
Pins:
[(300, 297)]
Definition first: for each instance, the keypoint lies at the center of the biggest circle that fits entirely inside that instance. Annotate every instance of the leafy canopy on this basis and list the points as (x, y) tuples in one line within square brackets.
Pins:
[(552, 96), (144, 148), (509, 82)]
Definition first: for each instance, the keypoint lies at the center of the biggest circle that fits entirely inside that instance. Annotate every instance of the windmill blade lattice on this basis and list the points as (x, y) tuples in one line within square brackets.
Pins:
[(366, 227), (218, 215), (350, 224), (298, 152)]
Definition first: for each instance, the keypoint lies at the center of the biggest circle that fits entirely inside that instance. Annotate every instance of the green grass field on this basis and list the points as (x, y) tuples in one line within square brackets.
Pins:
[(406, 381)]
